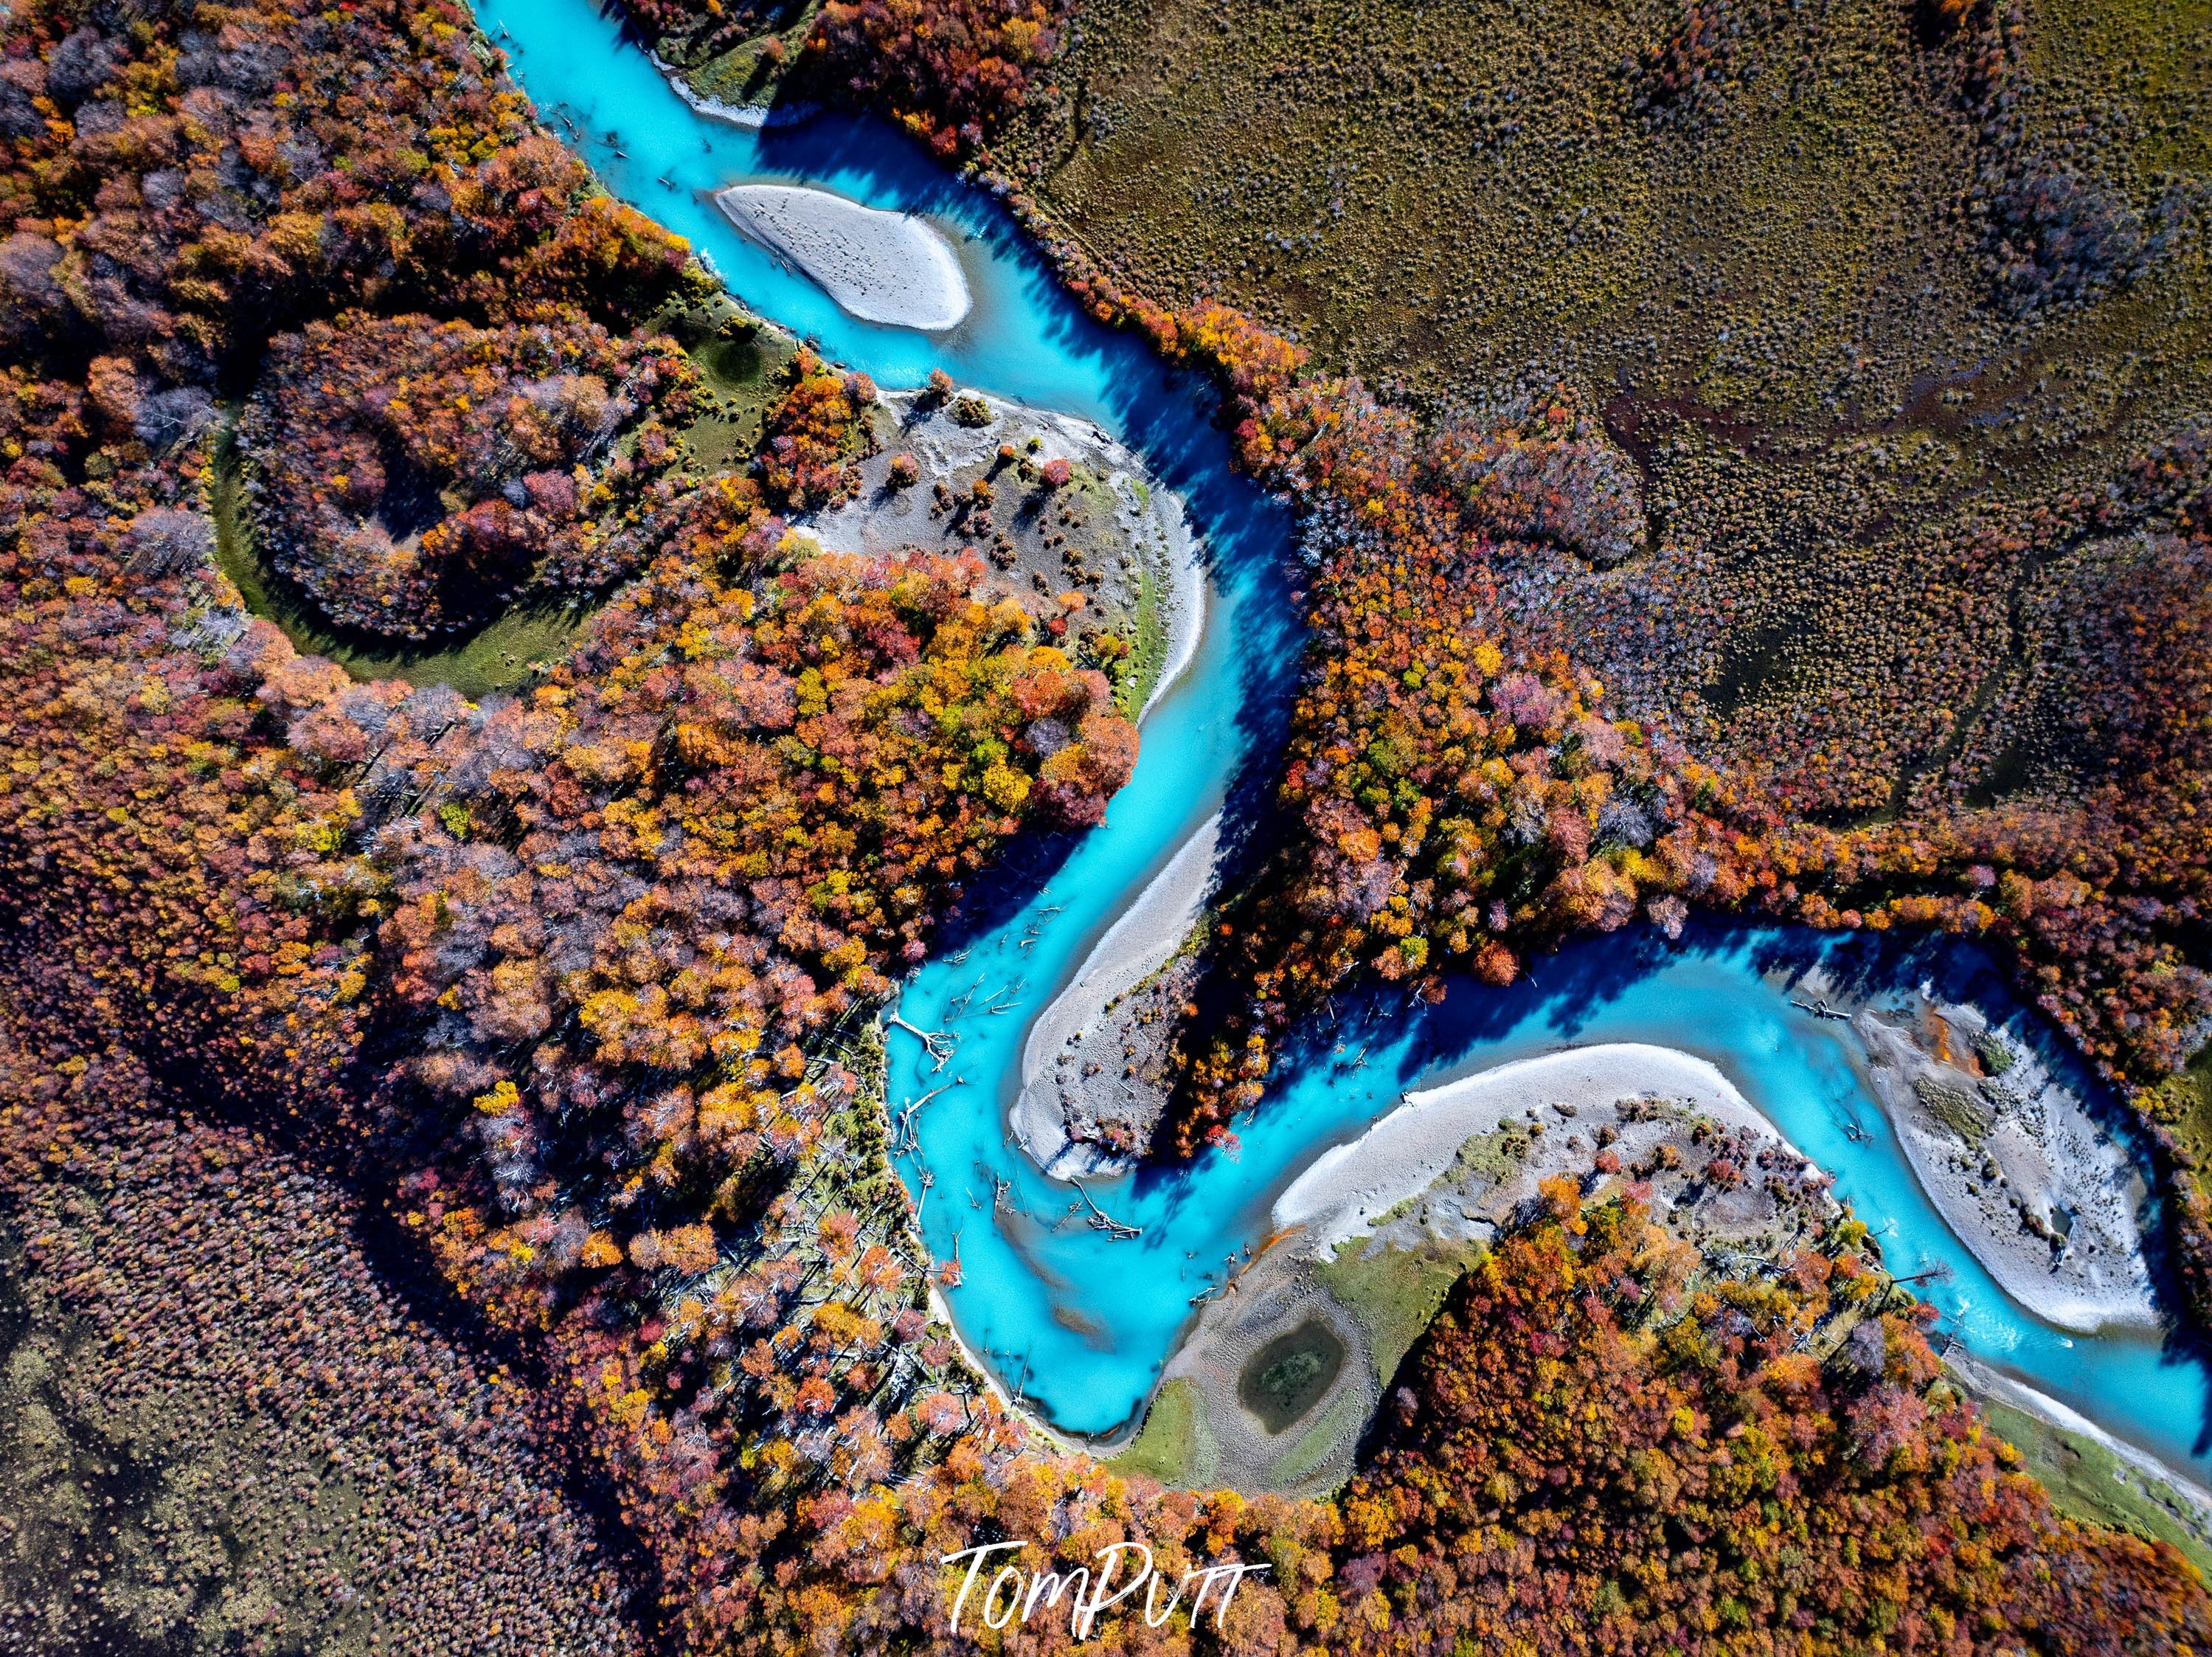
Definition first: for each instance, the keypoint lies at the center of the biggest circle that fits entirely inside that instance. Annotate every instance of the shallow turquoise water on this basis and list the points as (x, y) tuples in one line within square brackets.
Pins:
[(1081, 1323)]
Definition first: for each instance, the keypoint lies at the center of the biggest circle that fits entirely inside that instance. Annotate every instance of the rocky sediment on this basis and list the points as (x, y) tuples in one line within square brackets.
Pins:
[(2047, 1200), (1070, 521)]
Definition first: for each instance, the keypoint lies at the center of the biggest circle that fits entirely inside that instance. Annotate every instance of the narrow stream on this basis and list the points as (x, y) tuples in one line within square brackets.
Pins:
[(1079, 1322)]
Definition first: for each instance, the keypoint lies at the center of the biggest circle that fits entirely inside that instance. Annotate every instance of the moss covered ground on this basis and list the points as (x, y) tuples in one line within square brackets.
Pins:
[(1148, 650), (2089, 1482), (740, 359), (752, 71), (2183, 1104), (1394, 1293), (1166, 1445), (505, 653)]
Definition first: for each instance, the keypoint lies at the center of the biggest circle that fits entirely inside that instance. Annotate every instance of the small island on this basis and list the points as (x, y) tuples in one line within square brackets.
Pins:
[(879, 266)]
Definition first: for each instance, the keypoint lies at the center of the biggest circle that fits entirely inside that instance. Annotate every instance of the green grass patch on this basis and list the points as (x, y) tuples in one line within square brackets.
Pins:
[(2184, 1103), (1494, 1155), (746, 74), (1148, 650), (1394, 1293), (2087, 1481), (1166, 1445), (742, 362), (1954, 1108), (741, 357)]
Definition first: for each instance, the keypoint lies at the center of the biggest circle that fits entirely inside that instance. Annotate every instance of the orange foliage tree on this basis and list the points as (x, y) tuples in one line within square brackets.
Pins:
[(412, 476), (1571, 1469)]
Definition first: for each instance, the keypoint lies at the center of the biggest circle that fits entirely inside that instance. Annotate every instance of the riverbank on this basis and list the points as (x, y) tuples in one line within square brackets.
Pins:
[(754, 117), (2089, 1472), (1086, 1104), (1111, 534), (879, 266), (1983, 1379), (1478, 1147), (1222, 1375), (2043, 1197)]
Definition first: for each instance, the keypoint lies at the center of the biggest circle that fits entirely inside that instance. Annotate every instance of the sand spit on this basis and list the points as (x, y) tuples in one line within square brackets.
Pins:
[(1145, 937), (878, 266), (1351, 1191), (2046, 1200), (755, 116)]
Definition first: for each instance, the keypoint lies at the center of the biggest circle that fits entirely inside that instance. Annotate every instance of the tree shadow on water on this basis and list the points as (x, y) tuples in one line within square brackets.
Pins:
[(1559, 996), (1011, 884)]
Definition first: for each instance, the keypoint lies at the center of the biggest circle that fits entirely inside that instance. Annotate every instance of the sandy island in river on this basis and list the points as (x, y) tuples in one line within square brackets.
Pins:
[(2044, 1196), (879, 266)]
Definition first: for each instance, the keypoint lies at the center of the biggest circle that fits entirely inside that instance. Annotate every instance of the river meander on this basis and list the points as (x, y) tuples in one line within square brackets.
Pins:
[(1081, 1323)]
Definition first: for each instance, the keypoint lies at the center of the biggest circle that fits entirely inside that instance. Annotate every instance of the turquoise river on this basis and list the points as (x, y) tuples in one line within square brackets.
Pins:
[(1079, 1323)]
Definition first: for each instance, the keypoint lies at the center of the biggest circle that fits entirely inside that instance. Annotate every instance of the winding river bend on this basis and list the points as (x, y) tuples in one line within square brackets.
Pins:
[(1082, 1323)]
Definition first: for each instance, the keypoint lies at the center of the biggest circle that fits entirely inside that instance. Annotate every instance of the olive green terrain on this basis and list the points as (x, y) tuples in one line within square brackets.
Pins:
[(1776, 283), (2088, 1482)]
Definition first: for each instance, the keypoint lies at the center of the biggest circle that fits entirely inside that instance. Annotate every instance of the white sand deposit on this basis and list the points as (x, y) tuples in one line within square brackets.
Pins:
[(2047, 1199), (879, 266), (1135, 947), (1349, 1189)]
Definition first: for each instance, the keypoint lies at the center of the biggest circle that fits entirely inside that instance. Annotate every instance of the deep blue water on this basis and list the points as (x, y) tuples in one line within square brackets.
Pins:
[(1081, 1324)]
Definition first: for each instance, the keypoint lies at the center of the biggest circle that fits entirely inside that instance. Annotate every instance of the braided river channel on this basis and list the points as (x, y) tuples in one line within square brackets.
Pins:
[(1079, 1322)]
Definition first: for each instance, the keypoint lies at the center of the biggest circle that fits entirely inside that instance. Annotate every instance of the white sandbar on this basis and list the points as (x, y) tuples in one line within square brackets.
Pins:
[(1134, 947), (879, 266), (1350, 1187)]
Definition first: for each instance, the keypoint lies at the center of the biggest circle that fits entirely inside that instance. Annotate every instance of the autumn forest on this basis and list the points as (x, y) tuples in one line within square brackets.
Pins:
[(573, 991)]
